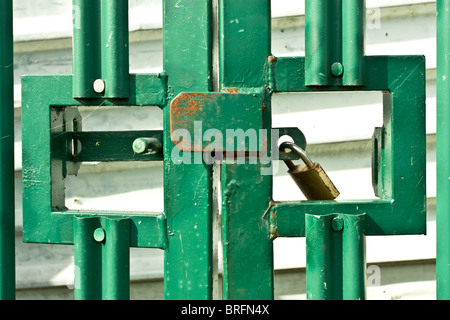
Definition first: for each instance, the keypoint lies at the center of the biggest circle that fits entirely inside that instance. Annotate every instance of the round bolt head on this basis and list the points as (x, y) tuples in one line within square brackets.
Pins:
[(99, 234), (146, 145), (337, 69), (140, 146), (337, 224), (99, 86)]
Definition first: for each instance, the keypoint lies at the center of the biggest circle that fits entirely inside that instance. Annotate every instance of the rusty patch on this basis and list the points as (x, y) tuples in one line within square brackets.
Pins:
[(188, 108), (231, 90), (184, 109)]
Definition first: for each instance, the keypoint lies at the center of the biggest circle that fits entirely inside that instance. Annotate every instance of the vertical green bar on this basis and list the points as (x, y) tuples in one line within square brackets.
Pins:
[(353, 30), (7, 239), (443, 152), (323, 29), (354, 257), (244, 42), (323, 258), (86, 47), (87, 260), (102, 258), (115, 48), (187, 184), (116, 259), (187, 45), (335, 38), (247, 248)]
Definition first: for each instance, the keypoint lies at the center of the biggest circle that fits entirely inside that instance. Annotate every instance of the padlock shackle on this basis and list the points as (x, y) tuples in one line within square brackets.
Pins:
[(292, 146)]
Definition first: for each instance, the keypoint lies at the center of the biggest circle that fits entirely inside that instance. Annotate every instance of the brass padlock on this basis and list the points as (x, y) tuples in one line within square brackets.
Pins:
[(309, 176)]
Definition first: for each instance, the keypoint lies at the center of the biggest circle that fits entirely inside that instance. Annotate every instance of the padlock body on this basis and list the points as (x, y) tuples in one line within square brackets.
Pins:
[(314, 182)]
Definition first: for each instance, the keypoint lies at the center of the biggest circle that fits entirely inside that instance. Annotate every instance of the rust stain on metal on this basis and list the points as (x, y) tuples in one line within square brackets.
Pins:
[(231, 90), (184, 110)]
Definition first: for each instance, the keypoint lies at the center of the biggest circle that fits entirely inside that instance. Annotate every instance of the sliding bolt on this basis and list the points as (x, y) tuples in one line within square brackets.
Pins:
[(146, 145)]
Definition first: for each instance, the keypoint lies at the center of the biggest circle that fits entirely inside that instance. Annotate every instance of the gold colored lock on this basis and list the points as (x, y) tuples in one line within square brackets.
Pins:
[(309, 176)]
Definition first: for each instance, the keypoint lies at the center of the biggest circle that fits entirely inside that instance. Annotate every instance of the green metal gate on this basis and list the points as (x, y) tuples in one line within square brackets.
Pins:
[(197, 94)]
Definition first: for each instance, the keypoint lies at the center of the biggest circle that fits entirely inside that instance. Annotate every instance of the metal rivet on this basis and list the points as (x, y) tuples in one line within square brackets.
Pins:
[(337, 69), (99, 86), (337, 224), (99, 234)]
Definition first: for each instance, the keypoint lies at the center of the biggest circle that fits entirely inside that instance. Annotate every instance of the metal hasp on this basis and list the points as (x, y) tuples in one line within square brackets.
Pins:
[(443, 152), (7, 230), (238, 98)]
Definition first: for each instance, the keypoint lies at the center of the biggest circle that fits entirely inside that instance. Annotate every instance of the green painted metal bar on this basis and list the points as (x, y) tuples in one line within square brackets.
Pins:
[(335, 18), (42, 221), (335, 257), (317, 69), (109, 145), (353, 30), (86, 47), (323, 258), (288, 218), (87, 260), (443, 152), (247, 247), (116, 259), (7, 239), (323, 45), (354, 257), (115, 48), (102, 258), (401, 180), (188, 188), (244, 47)]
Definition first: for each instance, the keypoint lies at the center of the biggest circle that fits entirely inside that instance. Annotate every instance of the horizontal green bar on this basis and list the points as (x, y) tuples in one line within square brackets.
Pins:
[(109, 146), (112, 146), (383, 73), (382, 216), (56, 90), (148, 229)]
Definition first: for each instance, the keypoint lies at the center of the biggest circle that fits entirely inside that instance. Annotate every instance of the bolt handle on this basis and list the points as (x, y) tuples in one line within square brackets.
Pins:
[(146, 146)]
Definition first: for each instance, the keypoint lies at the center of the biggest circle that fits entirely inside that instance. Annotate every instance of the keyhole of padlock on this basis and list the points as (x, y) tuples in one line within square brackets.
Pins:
[(309, 176)]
